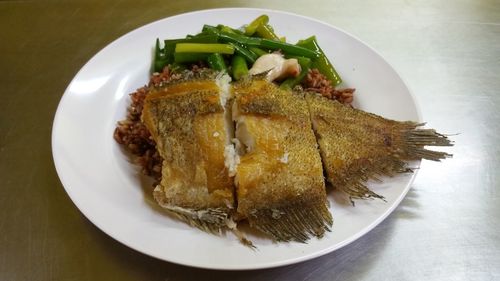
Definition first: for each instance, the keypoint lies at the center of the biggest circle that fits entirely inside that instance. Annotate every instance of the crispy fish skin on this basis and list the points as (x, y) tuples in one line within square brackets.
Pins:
[(280, 185), (187, 121), (357, 146)]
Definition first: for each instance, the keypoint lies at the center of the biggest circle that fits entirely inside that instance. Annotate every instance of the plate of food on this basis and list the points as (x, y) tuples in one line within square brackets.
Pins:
[(238, 139)]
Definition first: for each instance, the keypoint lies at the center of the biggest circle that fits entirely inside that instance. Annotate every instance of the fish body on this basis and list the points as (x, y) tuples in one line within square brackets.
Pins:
[(279, 178), (187, 120)]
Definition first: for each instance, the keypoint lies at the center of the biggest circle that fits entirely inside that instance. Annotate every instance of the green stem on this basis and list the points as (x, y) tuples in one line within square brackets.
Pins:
[(190, 57), (249, 56), (262, 43), (216, 61), (204, 48), (259, 52), (239, 67), (267, 32), (226, 28), (251, 28), (321, 63), (160, 60), (169, 49)]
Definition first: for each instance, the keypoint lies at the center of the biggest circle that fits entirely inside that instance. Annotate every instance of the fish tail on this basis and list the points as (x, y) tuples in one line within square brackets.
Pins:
[(416, 139)]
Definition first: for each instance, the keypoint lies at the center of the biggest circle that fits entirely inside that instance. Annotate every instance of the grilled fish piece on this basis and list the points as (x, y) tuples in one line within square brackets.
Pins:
[(189, 123), (357, 146), (279, 178)]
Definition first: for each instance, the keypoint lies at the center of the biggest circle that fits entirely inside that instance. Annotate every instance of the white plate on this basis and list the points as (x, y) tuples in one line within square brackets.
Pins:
[(107, 189)]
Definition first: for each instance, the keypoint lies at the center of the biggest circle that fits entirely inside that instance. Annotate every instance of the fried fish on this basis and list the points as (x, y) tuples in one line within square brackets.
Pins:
[(357, 146), (252, 151), (279, 178), (188, 120)]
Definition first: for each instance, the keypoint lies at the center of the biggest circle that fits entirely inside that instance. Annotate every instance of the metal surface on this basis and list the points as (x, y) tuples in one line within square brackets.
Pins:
[(447, 228)]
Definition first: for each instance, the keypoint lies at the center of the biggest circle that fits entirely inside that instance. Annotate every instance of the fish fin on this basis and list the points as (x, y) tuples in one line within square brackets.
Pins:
[(232, 225), (293, 222), (211, 220)]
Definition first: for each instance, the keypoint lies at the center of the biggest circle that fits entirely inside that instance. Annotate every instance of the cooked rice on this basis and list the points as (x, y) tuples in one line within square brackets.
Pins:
[(317, 82), (134, 136)]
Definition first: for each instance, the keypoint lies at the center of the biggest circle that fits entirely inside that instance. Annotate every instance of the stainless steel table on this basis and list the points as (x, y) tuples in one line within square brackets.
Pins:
[(447, 228)]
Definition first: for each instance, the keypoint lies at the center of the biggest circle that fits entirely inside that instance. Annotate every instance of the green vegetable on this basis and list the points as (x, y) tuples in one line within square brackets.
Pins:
[(262, 43), (189, 57), (305, 65), (169, 49), (226, 28), (198, 38), (239, 67), (321, 63), (259, 52), (204, 48), (259, 27), (160, 59), (216, 61), (288, 48), (301, 60), (247, 54), (266, 31), (242, 47), (251, 28)]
